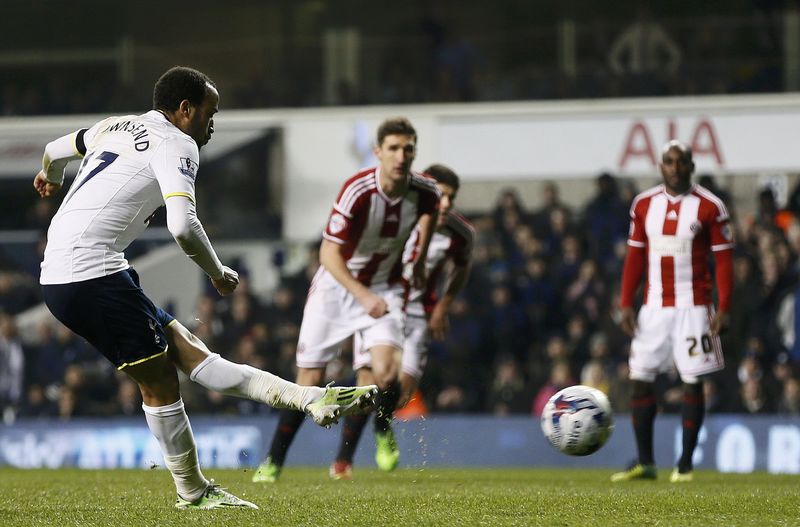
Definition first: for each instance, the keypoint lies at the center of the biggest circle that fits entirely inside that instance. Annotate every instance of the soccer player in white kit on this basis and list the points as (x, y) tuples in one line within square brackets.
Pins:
[(132, 165), (358, 288), (447, 267), (674, 227)]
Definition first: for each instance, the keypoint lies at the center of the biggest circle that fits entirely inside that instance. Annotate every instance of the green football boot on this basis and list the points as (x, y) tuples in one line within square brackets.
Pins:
[(637, 471), (387, 455), (267, 472), (681, 477), (340, 401), (215, 497)]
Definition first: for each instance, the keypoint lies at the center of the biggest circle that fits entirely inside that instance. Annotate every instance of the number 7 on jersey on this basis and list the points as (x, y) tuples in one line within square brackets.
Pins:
[(105, 159)]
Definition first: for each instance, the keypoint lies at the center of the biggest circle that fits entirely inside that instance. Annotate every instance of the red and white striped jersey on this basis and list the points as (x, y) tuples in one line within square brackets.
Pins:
[(678, 233), (374, 228), (452, 241)]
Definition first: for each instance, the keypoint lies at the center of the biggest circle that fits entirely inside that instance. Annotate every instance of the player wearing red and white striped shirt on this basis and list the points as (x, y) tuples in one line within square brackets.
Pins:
[(358, 289), (674, 228), (448, 265)]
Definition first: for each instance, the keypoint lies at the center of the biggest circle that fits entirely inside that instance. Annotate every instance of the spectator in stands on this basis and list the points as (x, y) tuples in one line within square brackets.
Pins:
[(566, 263), (508, 393), (577, 337), (593, 374), (745, 285), (37, 404), (538, 295), (707, 181), (586, 294), (129, 400), (12, 365), (619, 393), (540, 219), (17, 292), (207, 317), (714, 400), (605, 219), (507, 321), (560, 377), (789, 403), (752, 399)]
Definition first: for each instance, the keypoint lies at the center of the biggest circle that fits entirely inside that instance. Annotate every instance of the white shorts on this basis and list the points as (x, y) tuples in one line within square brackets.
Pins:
[(667, 334), (332, 315), (415, 348)]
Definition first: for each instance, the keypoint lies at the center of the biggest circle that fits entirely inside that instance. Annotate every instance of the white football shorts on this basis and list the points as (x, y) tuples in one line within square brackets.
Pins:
[(415, 348), (332, 315), (667, 334)]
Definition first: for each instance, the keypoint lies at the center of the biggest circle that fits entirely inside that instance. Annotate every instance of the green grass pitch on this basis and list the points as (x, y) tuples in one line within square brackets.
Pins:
[(407, 497)]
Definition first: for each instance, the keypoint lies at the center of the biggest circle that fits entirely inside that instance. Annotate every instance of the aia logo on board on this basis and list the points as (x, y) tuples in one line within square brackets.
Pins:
[(640, 146)]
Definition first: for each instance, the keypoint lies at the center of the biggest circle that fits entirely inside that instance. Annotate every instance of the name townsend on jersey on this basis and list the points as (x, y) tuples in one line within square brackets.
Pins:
[(140, 138)]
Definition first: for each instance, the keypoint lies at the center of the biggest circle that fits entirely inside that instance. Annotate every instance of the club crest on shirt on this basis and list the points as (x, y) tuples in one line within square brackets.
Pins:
[(696, 227), (727, 232), (337, 223), (188, 167)]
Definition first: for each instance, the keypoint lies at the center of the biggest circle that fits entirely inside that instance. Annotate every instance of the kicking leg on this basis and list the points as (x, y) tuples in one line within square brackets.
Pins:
[(210, 370)]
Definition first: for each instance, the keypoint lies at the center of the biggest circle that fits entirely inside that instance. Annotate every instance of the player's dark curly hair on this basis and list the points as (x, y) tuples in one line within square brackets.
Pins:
[(395, 126), (179, 83), (443, 175)]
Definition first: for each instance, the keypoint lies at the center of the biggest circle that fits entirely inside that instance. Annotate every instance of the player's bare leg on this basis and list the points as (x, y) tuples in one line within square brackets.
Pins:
[(408, 386)]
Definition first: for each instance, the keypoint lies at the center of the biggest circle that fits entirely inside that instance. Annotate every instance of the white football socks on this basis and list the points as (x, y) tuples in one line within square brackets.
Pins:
[(241, 380), (170, 425)]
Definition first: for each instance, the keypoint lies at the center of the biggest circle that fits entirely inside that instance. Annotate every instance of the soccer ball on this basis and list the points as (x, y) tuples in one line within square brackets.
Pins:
[(577, 420)]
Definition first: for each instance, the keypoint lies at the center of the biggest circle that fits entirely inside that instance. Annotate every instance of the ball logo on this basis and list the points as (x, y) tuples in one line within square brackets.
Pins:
[(577, 420), (696, 227), (337, 223)]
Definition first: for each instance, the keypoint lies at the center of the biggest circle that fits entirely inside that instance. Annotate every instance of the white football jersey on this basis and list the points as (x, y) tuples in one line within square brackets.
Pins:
[(132, 163)]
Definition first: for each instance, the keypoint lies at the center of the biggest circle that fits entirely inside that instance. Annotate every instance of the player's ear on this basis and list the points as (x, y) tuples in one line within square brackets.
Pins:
[(184, 107)]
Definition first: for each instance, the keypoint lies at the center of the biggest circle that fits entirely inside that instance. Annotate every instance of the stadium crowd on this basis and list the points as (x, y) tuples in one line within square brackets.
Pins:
[(537, 315)]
